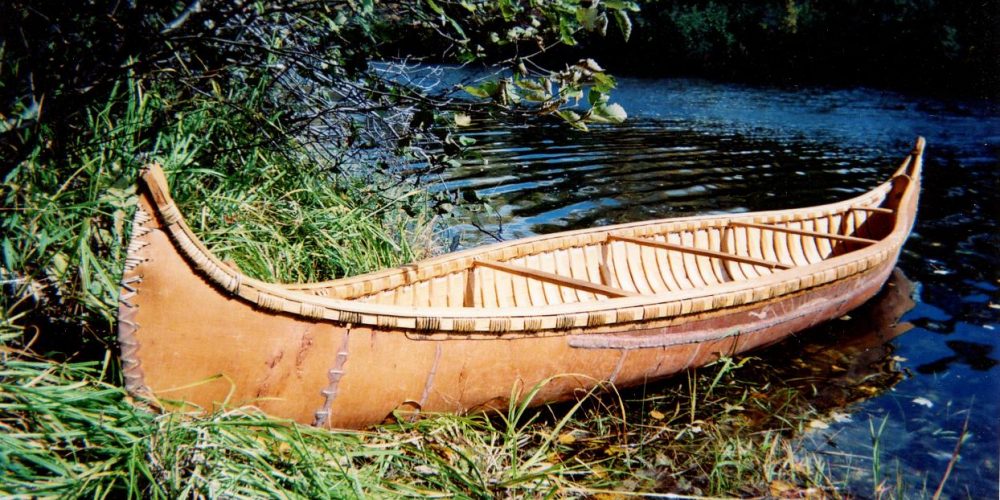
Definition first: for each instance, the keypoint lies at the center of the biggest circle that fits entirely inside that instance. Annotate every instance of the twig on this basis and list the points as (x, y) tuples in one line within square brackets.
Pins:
[(193, 7), (954, 457)]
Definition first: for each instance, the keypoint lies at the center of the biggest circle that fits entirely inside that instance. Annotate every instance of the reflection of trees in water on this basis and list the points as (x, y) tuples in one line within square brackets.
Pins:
[(647, 169), (851, 359), (917, 427), (824, 368), (973, 354)]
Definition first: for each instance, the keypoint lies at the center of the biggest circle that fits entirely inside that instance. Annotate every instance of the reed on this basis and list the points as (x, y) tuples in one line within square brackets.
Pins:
[(65, 214)]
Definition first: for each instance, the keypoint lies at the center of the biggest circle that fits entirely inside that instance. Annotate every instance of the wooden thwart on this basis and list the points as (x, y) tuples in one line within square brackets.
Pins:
[(838, 237), (557, 279), (880, 210), (702, 251)]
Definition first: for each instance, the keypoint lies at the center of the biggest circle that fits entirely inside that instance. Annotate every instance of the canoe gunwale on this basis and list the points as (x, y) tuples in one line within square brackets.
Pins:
[(560, 319)]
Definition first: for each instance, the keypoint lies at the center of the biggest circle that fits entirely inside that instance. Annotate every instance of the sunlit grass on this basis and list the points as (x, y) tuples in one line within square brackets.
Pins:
[(67, 432), (67, 428)]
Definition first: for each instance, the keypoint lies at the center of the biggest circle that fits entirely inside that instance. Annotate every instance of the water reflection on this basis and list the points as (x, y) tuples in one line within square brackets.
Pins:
[(544, 178), (701, 147), (973, 354), (850, 359)]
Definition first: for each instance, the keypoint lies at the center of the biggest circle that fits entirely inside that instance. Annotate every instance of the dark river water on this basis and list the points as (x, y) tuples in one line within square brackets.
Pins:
[(694, 147)]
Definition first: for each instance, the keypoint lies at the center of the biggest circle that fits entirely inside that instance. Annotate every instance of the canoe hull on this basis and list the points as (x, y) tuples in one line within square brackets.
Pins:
[(197, 334), (190, 344)]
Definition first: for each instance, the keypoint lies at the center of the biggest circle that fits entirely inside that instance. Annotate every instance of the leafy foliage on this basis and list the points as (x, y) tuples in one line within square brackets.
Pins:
[(272, 118)]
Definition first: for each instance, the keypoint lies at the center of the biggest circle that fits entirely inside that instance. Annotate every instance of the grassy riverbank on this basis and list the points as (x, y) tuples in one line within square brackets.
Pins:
[(69, 429), (277, 137)]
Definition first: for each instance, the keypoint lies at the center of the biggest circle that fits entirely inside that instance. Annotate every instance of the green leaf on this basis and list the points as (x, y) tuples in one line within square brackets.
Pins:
[(445, 17), (587, 17), (529, 84), (608, 113), (573, 119), (10, 260), (603, 82), (596, 97), (624, 24), (435, 7), (535, 96), (566, 32), (571, 92), (621, 5), (483, 91), (508, 9)]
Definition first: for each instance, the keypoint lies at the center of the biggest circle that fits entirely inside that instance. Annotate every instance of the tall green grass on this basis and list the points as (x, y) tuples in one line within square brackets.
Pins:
[(268, 207), (67, 428), (67, 432)]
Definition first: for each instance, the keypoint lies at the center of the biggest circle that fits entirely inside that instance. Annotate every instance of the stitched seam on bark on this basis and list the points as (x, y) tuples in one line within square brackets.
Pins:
[(334, 375), (430, 377), (618, 367), (127, 311), (667, 340)]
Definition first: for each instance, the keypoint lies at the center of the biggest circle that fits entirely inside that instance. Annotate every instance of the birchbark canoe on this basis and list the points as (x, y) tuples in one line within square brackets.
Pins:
[(624, 304)]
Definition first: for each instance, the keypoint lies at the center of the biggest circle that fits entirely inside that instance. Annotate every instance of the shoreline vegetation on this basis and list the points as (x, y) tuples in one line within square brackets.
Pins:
[(287, 153), (946, 49)]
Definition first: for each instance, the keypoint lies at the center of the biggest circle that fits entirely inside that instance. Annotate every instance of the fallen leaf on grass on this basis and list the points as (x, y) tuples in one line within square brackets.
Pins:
[(818, 424), (730, 408), (779, 488), (609, 496), (840, 417), (425, 470), (567, 438)]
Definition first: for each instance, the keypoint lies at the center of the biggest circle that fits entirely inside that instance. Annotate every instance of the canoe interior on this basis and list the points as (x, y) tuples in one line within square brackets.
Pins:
[(650, 259)]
